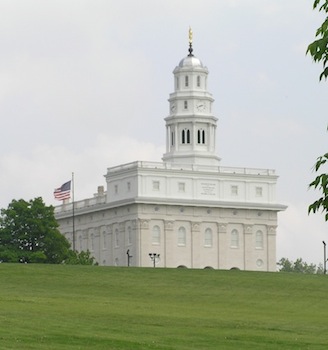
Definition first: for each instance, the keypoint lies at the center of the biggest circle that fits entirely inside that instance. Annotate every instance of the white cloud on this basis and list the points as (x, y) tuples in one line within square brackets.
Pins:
[(46, 167)]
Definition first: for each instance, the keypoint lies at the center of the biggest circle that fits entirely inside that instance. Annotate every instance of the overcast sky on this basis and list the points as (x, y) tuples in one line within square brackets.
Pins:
[(84, 86)]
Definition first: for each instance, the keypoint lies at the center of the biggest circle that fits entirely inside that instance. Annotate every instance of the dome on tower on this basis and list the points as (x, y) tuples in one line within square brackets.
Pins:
[(190, 61)]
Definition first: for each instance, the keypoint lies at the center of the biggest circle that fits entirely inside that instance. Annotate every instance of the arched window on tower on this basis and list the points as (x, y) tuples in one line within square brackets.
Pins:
[(185, 136), (198, 81), (188, 136), (172, 138), (177, 83), (186, 81), (201, 136)]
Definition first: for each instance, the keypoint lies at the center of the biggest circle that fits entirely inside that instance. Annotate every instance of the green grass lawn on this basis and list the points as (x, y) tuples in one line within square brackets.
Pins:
[(85, 307)]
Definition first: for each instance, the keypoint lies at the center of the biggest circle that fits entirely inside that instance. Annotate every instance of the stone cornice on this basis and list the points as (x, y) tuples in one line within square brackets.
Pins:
[(173, 202)]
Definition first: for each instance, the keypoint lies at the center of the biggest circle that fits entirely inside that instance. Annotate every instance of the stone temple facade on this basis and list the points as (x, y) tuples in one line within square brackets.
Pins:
[(186, 211)]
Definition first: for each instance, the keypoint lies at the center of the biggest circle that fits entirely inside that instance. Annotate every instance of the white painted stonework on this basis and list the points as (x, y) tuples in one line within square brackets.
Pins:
[(188, 209)]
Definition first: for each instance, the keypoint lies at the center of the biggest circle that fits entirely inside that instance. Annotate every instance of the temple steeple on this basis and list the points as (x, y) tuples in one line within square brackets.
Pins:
[(191, 126)]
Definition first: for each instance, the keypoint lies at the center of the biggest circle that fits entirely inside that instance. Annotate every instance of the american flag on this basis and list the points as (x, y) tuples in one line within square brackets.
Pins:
[(63, 192)]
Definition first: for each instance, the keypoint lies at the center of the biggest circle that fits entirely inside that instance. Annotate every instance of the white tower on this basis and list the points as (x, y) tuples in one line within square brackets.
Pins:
[(191, 126)]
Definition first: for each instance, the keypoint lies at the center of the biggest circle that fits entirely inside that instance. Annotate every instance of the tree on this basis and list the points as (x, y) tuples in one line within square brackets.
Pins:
[(285, 265), (29, 233), (321, 183), (318, 49), (81, 258), (299, 266)]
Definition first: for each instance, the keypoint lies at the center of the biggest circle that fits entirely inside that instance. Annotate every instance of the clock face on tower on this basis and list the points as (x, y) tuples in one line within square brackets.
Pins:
[(201, 106), (173, 107)]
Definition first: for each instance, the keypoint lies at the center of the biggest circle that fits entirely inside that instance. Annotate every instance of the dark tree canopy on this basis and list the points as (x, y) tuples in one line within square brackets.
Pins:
[(318, 49), (29, 233)]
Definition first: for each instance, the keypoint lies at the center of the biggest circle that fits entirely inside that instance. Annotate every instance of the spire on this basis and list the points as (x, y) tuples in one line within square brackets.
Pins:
[(190, 42)]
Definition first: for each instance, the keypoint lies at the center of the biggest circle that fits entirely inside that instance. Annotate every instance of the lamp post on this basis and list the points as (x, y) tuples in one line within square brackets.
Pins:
[(153, 257), (324, 258), (129, 256)]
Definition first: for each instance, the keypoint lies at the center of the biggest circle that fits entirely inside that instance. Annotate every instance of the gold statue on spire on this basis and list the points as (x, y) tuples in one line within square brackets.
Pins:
[(190, 42), (190, 35)]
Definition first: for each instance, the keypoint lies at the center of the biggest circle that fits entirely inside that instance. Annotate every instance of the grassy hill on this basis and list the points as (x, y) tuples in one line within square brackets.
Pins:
[(84, 307)]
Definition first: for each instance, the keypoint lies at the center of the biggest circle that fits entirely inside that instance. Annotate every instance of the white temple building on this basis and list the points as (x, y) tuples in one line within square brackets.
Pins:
[(186, 211)]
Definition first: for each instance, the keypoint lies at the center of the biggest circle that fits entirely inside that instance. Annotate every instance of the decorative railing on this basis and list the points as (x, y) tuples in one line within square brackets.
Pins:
[(85, 203), (191, 167)]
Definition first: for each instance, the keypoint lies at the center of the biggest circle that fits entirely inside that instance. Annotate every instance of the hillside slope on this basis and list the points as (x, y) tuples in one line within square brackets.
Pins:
[(85, 307)]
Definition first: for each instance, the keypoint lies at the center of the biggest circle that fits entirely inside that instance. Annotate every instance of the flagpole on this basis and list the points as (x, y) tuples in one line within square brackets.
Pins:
[(73, 212)]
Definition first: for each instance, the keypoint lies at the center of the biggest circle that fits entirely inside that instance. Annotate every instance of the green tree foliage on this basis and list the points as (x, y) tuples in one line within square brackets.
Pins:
[(299, 266), (318, 49), (80, 258), (321, 183), (29, 233)]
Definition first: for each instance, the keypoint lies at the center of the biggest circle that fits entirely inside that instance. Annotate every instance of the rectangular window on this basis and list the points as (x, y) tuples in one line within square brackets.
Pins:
[(117, 239), (104, 240), (234, 242), (92, 242), (185, 104), (259, 240), (116, 189), (156, 185), (259, 191), (186, 81), (182, 237), (129, 186), (156, 235), (182, 187), (129, 236), (234, 190), (208, 239)]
